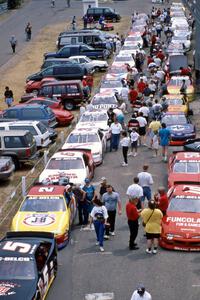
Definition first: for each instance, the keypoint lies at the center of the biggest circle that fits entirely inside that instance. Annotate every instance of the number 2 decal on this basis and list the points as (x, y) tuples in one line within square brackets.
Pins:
[(16, 246)]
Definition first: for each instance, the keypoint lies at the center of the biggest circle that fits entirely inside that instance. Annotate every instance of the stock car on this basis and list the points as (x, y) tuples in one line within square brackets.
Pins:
[(89, 138), (177, 103), (124, 59), (109, 86), (75, 164), (46, 209), (104, 100), (184, 167), (174, 85), (181, 224), (117, 72), (28, 265), (180, 127)]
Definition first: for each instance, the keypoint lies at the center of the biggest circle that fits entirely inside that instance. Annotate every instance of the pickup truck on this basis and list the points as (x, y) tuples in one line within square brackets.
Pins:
[(83, 49)]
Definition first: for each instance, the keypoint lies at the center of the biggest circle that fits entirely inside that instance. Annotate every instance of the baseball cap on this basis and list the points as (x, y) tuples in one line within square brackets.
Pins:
[(103, 178), (87, 180), (141, 289)]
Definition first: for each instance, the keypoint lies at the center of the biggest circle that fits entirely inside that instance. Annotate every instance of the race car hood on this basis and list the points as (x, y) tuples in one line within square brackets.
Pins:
[(17, 289), (177, 130), (100, 125), (112, 76), (176, 89), (177, 108), (185, 178), (113, 90), (44, 221), (183, 225), (76, 176)]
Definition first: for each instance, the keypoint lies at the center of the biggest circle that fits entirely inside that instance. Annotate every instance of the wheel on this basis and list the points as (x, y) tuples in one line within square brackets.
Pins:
[(16, 162), (114, 20), (97, 69), (35, 92), (68, 105)]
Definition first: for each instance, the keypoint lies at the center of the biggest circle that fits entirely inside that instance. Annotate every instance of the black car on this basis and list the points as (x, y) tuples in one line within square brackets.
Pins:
[(107, 12), (28, 265), (192, 145)]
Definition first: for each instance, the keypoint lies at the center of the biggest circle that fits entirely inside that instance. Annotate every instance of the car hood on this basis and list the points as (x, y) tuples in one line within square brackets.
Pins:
[(50, 54), (76, 176), (177, 108), (100, 125), (62, 113), (178, 178), (17, 289), (181, 129)]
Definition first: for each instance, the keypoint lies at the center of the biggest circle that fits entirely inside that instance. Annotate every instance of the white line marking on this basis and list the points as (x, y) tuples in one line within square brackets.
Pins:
[(99, 296), (196, 285)]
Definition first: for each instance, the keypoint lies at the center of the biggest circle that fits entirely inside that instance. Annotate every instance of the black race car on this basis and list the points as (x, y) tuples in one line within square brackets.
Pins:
[(28, 265), (192, 145)]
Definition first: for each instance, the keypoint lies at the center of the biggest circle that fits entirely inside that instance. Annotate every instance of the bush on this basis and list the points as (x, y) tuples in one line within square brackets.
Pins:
[(13, 4)]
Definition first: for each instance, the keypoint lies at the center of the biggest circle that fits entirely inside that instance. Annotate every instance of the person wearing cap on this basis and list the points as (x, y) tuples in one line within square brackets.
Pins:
[(90, 194), (141, 293), (132, 214), (135, 191), (145, 181), (161, 200)]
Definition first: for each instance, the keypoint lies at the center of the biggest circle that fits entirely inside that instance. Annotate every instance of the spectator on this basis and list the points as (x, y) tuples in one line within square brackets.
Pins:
[(183, 89), (82, 205), (103, 187), (13, 43), (157, 108), (135, 191), (133, 95), (145, 181), (142, 127), (90, 194), (85, 21), (115, 129), (164, 139), (145, 110), (73, 23), (8, 96), (161, 200), (132, 215), (141, 86), (134, 136), (130, 78), (141, 294), (125, 145), (155, 144), (82, 109), (151, 218), (28, 31), (147, 91)]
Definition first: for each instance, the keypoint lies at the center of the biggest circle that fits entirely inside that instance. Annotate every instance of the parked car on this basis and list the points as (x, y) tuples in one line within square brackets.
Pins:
[(56, 61), (107, 12), (31, 112), (33, 86), (6, 167), (36, 128), (74, 50), (62, 72), (20, 145), (104, 100), (97, 65), (51, 102), (70, 92)]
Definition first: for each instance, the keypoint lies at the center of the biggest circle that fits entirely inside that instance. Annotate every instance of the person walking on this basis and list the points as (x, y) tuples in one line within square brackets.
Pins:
[(8, 95), (132, 214), (141, 294), (68, 3), (151, 218), (73, 23), (103, 187), (145, 181), (99, 216), (111, 200), (80, 195), (115, 129), (164, 139), (161, 200), (142, 128), (52, 3), (125, 145), (134, 136), (13, 43), (90, 194), (28, 31), (155, 144)]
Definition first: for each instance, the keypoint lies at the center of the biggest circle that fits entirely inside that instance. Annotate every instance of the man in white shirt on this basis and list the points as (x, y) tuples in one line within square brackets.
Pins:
[(142, 127), (145, 181), (145, 110), (135, 190), (141, 294), (115, 130)]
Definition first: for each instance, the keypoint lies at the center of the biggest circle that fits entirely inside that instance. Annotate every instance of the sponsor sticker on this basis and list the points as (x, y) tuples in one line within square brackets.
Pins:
[(8, 288), (39, 220)]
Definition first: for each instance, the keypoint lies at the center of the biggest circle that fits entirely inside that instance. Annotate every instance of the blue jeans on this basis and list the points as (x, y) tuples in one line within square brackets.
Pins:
[(99, 229), (114, 142), (146, 193)]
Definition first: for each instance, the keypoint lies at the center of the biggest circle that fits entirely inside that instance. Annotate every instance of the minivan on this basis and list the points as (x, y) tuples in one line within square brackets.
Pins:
[(62, 72), (36, 128), (107, 12), (70, 92), (33, 112)]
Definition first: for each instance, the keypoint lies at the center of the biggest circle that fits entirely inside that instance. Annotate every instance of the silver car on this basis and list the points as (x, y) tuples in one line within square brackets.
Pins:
[(6, 167)]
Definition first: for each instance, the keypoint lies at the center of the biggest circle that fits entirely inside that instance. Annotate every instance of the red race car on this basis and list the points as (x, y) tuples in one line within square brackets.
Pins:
[(181, 224), (184, 167)]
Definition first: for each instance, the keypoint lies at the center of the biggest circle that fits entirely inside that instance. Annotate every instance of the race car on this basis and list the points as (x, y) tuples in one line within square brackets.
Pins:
[(180, 127), (93, 119), (124, 59), (184, 167), (174, 85), (117, 72), (90, 138), (181, 224), (104, 100), (28, 265), (134, 38), (177, 103), (75, 164), (111, 86), (46, 208)]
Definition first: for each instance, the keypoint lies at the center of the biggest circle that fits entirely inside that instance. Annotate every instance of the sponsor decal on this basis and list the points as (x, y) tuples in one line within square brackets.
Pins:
[(39, 220), (192, 155), (8, 288), (185, 221), (57, 176)]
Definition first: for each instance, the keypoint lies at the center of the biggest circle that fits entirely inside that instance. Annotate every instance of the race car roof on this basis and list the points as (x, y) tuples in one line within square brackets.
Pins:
[(84, 130), (46, 190), (68, 154), (188, 156), (105, 93), (187, 190), (95, 112)]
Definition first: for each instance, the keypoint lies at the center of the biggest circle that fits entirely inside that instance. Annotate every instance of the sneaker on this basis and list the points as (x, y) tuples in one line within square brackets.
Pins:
[(154, 155), (124, 164), (101, 249), (154, 251), (106, 237), (112, 233), (135, 154), (130, 154), (97, 243), (148, 251)]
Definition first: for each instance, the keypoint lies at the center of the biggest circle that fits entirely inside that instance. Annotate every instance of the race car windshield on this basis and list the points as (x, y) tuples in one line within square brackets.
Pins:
[(43, 204), (184, 205), (133, 38), (130, 47), (65, 164), (104, 100), (186, 167), (94, 118), (123, 58), (179, 81), (117, 70), (175, 102), (22, 270), (111, 84), (174, 120), (83, 138)]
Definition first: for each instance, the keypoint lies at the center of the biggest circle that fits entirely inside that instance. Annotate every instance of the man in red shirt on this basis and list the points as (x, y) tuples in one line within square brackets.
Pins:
[(161, 200), (132, 216), (141, 86), (185, 71), (160, 55), (133, 94)]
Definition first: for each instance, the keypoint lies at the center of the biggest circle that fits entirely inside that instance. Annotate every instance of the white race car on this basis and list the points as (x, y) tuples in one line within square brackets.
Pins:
[(89, 138), (111, 86), (134, 38), (97, 65), (129, 49), (104, 100), (76, 165), (124, 59)]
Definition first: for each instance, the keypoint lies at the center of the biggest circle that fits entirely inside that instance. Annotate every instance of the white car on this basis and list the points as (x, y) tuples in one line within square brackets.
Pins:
[(91, 119), (38, 130), (116, 72), (124, 59), (134, 38), (104, 101), (182, 40), (110, 86), (90, 138), (129, 49), (97, 65), (183, 33), (71, 164)]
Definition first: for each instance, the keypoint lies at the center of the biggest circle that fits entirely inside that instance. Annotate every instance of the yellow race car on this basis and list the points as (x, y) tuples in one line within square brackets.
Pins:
[(174, 85), (47, 209), (177, 103)]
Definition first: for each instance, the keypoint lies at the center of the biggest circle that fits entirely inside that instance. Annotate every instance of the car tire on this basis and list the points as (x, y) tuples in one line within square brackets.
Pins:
[(68, 105), (16, 163), (114, 20), (97, 69)]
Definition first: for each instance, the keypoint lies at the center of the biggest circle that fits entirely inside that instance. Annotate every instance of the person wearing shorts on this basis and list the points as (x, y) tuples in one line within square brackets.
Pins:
[(142, 127), (145, 181), (152, 218), (134, 136)]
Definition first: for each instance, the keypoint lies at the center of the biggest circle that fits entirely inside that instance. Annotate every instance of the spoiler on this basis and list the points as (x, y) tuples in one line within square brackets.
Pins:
[(76, 150), (34, 234)]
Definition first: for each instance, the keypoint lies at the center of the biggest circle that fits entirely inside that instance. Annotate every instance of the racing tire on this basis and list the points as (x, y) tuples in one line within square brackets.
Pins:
[(68, 105), (16, 163)]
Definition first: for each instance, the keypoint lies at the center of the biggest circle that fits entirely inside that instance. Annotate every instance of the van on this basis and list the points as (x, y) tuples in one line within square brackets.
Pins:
[(62, 72), (70, 92), (108, 13), (36, 128)]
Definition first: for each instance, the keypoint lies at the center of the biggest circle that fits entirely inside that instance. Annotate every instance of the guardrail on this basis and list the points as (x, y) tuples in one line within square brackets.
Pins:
[(3, 8)]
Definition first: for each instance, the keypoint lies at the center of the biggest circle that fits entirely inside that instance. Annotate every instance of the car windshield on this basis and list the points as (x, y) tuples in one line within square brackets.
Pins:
[(186, 167), (130, 47), (123, 58), (175, 102), (184, 204), (83, 138), (94, 118), (111, 84), (22, 268), (174, 120), (43, 204), (133, 38), (118, 70), (65, 163), (179, 81), (104, 100), (42, 127)]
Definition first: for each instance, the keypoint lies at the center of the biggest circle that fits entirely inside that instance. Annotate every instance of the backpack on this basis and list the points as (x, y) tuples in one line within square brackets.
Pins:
[(100, 217)]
